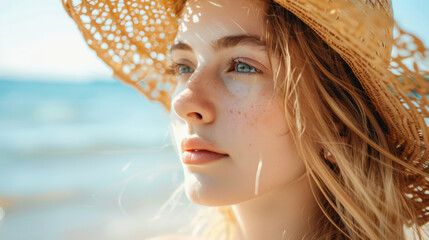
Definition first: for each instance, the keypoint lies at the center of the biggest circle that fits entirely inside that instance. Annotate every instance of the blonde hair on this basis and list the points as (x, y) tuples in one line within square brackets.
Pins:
[(348, 157), (345, 148)]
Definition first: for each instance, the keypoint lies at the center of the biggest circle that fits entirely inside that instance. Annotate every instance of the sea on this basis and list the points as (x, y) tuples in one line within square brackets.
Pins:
[(89, 160)]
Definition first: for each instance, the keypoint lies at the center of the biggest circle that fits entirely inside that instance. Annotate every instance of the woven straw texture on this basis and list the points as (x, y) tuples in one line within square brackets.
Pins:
[(133, 38)]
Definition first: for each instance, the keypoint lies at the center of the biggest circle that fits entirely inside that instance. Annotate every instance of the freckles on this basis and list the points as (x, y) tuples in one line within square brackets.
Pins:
[(251, 118), (249, 115), (264, 116), (241, 118), (254, 120)]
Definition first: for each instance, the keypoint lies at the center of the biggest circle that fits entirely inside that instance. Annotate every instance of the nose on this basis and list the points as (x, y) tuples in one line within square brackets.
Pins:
[(194, 103)]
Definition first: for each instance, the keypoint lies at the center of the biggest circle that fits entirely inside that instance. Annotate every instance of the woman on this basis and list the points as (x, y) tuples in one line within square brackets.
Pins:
[(284, 113)]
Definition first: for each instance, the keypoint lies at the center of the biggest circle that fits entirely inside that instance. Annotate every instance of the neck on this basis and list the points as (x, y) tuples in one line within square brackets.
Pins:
[(286, 213)]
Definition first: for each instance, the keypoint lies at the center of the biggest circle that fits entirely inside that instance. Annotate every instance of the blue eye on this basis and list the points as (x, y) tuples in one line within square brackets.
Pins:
[(181, 69), (242, 67)]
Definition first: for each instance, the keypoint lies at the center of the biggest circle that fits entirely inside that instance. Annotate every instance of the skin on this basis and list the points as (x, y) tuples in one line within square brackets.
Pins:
[(233, 106)]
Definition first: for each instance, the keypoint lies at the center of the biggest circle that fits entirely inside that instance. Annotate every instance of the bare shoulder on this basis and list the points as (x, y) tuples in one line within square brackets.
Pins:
[(173, 237)]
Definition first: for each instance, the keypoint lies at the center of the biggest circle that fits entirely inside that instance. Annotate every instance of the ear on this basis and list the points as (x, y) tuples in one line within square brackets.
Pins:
[(342, 131)]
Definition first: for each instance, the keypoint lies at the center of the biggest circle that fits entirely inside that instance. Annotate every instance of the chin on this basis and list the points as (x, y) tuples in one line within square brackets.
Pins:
[(202, 193), (212, 194), (204, 200)]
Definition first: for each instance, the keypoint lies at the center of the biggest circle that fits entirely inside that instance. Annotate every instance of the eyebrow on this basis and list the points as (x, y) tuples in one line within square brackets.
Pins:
[(225, 42)]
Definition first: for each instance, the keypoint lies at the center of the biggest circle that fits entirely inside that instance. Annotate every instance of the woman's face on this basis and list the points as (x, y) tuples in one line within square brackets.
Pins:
[(227, 123)]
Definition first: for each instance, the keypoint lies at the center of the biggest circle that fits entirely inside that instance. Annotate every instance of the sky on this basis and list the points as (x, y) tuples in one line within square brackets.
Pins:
[(39, 41)]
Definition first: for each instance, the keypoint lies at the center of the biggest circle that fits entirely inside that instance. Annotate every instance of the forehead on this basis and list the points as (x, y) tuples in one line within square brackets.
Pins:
[(212, 19)]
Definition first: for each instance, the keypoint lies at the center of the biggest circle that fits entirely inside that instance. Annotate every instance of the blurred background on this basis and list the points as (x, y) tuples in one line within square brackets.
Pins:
[(83, 156)]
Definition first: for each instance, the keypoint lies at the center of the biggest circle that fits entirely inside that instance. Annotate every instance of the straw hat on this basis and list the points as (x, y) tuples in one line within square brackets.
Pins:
[(133, 37)]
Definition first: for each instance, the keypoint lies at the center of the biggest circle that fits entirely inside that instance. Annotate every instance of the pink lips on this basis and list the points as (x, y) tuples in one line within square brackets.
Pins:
[(197, 151)]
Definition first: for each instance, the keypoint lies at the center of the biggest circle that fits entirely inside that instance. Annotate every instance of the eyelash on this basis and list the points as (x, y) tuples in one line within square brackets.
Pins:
[(232, 66), (173, 69), (236, 61)]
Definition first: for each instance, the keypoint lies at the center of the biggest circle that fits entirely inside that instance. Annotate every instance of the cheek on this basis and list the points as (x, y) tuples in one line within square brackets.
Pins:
[(263, 146), (258, 119)]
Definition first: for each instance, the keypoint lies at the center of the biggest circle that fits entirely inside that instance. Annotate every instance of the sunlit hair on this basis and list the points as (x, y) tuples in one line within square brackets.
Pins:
[(356, 175)]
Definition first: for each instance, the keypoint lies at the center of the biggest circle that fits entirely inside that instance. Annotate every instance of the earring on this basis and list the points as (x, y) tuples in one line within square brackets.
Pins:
[(328, 156)]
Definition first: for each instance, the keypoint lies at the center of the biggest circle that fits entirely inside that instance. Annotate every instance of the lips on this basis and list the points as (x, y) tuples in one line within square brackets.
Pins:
[(197, 151)]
